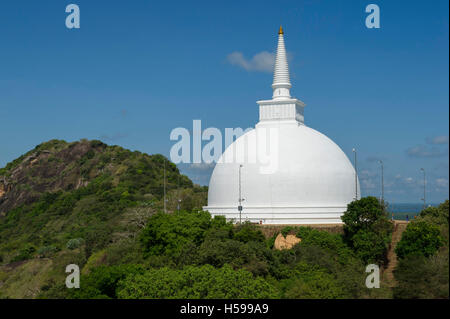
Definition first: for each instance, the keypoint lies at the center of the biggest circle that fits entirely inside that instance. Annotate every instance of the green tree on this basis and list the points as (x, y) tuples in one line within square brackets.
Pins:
[(204, 282), (252, 256), (423, 268), (419, 238), (370, 246), (421, 277), (102, 281), (367, 229), (437, 216), (311, 271), (315, 285), (168, 233), (362, 214), (248, 232)]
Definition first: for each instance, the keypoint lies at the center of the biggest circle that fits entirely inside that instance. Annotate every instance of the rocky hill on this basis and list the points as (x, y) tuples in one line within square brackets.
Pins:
[(50, 167), (61, 194), (60, 166)]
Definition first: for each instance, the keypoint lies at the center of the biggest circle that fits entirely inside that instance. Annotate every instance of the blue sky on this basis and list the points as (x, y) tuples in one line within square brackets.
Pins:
[(136, 70)]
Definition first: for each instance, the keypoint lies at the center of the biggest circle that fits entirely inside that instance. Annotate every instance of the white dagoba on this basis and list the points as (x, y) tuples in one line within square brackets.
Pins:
[(282, 172)]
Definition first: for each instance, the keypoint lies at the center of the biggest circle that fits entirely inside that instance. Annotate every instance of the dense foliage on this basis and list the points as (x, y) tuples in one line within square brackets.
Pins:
[(419, 238), (102, 281), (116, 182), (103, 210), (368, 230), (191, 255), (196, 283), (170, 233), (422, 277), (80, 199), (423, 268)]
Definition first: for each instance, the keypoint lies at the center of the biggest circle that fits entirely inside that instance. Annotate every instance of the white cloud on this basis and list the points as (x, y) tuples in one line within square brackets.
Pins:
[(442, 182), (438, 140), (366, 173), (426, 151), (368, 180), (400, 182), (367, 184), (372, 159), (263, 61), (434, 149)]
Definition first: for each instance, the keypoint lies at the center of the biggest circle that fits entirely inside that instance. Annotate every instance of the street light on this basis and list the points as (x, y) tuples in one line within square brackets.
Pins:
[(424, 188), (240, 196), (178, 194), (356, 176), (382, 181), (165, 186)]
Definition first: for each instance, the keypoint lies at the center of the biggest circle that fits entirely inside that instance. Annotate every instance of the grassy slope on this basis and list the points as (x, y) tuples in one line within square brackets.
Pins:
[(84, 191)]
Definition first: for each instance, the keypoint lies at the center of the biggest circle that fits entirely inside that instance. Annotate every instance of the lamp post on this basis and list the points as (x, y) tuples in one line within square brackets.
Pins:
[(382, 182), (356, 176), (178, 194), (165, 186), (240, 196), (424, 189)]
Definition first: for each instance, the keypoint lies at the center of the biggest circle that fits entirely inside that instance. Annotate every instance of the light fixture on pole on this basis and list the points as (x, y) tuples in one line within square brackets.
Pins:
[(178, 193), (165, 210), (356, 176), (424, 189), (240, 196)]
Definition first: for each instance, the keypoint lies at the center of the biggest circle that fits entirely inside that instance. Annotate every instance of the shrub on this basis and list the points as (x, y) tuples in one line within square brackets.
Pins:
[(361, 214), (421, 277), (285, 231), (436, 215), (46, 251), (24, 254), (248, 232), (204, 282), (271, 241), (74, 243), (251, 255), (168, 233), (419, 238), (329, 242), (321, 273), (97, 143), (315, 285), (102, 281), (370, 246), (367, 229)]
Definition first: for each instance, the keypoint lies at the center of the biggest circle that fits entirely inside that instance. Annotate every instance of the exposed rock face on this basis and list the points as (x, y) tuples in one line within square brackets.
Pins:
[(57, 166), (50, 167), (286, 243), (2, 189)]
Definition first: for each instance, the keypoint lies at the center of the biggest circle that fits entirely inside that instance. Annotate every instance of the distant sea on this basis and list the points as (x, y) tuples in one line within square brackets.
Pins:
[(400, 210)]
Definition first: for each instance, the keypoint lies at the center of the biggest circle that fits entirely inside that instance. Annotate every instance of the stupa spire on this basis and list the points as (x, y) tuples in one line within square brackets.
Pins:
[(282, 107), (281, 83)]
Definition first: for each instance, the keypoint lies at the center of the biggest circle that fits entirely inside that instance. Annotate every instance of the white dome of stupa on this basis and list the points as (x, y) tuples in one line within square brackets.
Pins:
[(282, 172)]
